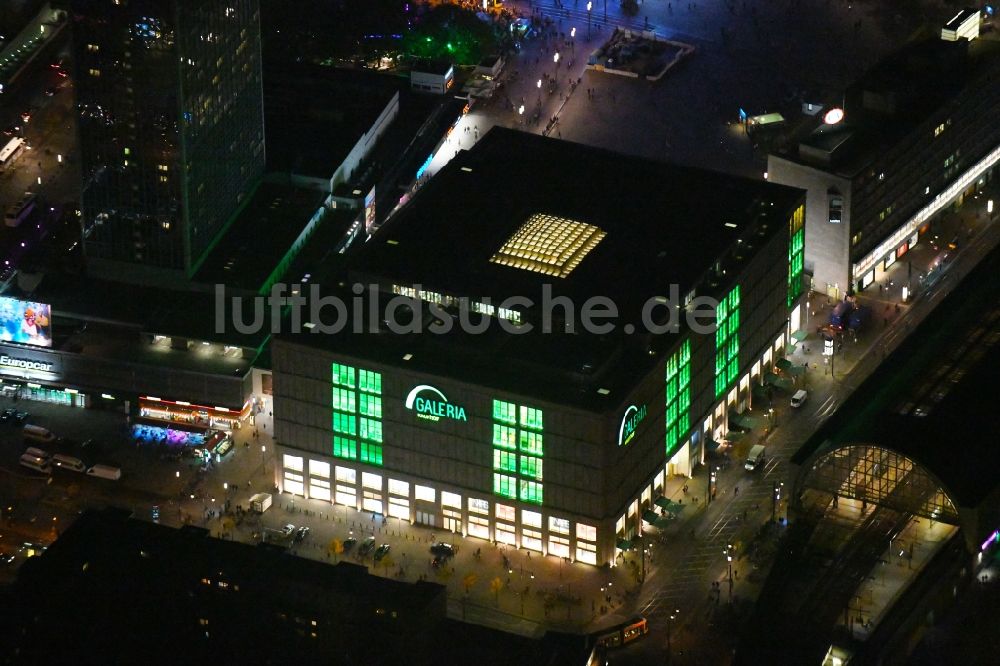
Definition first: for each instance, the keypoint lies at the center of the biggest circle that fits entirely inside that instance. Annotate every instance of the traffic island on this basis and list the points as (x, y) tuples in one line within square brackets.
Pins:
[(638, 54)]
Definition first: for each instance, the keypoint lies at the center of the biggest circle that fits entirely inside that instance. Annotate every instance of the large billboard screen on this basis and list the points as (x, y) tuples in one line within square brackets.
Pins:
[(25, 322)]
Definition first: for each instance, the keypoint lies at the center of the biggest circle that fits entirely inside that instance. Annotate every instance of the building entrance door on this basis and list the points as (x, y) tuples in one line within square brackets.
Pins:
[(452, 524), (425, 518)]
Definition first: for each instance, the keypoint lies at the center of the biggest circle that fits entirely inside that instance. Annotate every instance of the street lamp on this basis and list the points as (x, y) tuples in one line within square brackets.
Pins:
[(775, 498)]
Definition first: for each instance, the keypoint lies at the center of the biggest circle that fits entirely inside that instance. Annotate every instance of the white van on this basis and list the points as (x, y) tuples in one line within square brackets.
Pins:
[(37, 453), (36, 463), (756, 457), (38, 434), (68, 462), (105, 472)]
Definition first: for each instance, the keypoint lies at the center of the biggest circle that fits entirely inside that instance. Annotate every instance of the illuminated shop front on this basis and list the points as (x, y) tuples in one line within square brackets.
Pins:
[(69, 397), (192, 415)]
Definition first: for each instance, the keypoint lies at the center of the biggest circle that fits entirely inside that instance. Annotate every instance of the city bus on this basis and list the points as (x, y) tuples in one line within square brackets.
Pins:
[(19, 212), (623, 634), (10, 152)]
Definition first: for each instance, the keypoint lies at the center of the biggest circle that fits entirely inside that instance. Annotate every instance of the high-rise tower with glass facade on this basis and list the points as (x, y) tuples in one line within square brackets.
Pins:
[(171, 128)]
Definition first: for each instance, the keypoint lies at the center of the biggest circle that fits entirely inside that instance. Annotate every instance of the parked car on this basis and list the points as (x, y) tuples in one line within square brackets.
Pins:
[(366, 546), (301, 533), (7, 416), (287, 530), (21, 417), (349, 544), (443, 550), (51, 92), (381, 551)]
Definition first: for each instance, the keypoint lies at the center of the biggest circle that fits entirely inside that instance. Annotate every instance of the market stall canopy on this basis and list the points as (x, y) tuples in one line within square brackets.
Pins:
[(800, 335), (662, 502), (649, 516), (783, 364), (623, 544)]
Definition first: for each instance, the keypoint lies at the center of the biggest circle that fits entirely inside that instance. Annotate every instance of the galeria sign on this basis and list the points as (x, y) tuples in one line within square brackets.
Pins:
[(633, 415), (429, 403)]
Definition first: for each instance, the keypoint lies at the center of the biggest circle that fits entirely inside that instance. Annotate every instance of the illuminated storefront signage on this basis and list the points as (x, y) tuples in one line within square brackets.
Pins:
[(25, 364), (429, 403), (633, 415)]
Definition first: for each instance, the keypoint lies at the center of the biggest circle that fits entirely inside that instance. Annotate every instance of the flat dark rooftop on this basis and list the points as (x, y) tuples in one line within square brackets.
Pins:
[(439, 67), (664, 224), (316, 114), (132, 591), (188, 314), (928, 398), (259, 237), (917, 80)]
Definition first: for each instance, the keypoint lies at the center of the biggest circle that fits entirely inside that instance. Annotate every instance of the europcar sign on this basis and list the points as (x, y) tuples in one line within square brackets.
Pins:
[(633, 415), (429, 403)]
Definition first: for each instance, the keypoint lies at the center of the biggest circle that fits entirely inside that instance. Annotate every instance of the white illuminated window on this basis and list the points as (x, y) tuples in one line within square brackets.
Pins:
[(371, 480), (346, 475), (586, 553), (586, 532), (424, 493), (319, 468), (451, 499), (292, 462), (505, 512), (532, 518), (558, 525), (399, 487), (479, 506)]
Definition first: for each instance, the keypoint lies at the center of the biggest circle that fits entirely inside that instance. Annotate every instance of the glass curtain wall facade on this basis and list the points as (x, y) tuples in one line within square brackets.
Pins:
[(171, 124), (356, 404), (796, 254)]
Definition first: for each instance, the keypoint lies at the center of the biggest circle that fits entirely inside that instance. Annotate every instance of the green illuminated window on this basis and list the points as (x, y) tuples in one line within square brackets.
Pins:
[(504, 436), (357, 411), (796, 248), (530, 491), (505, 412), (531, 467), (371, 453), (678, 396), (727, 341), (343, 399), (343, 375), (531, 442), (531, 418), (344, 423), (505, 485), (517, 427), (370, 405), (504, 461), (345, 448), (370, 382), (371, 429)]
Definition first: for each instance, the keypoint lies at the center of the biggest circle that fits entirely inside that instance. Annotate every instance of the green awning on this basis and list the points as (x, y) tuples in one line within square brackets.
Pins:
[(800, 335), (675, 508), (623, 544), (772, 379), (662, 502), (649, 516), (783, 364)]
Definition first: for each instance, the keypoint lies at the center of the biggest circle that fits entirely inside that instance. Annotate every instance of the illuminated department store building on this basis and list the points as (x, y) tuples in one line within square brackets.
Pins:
[(554, 442)]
